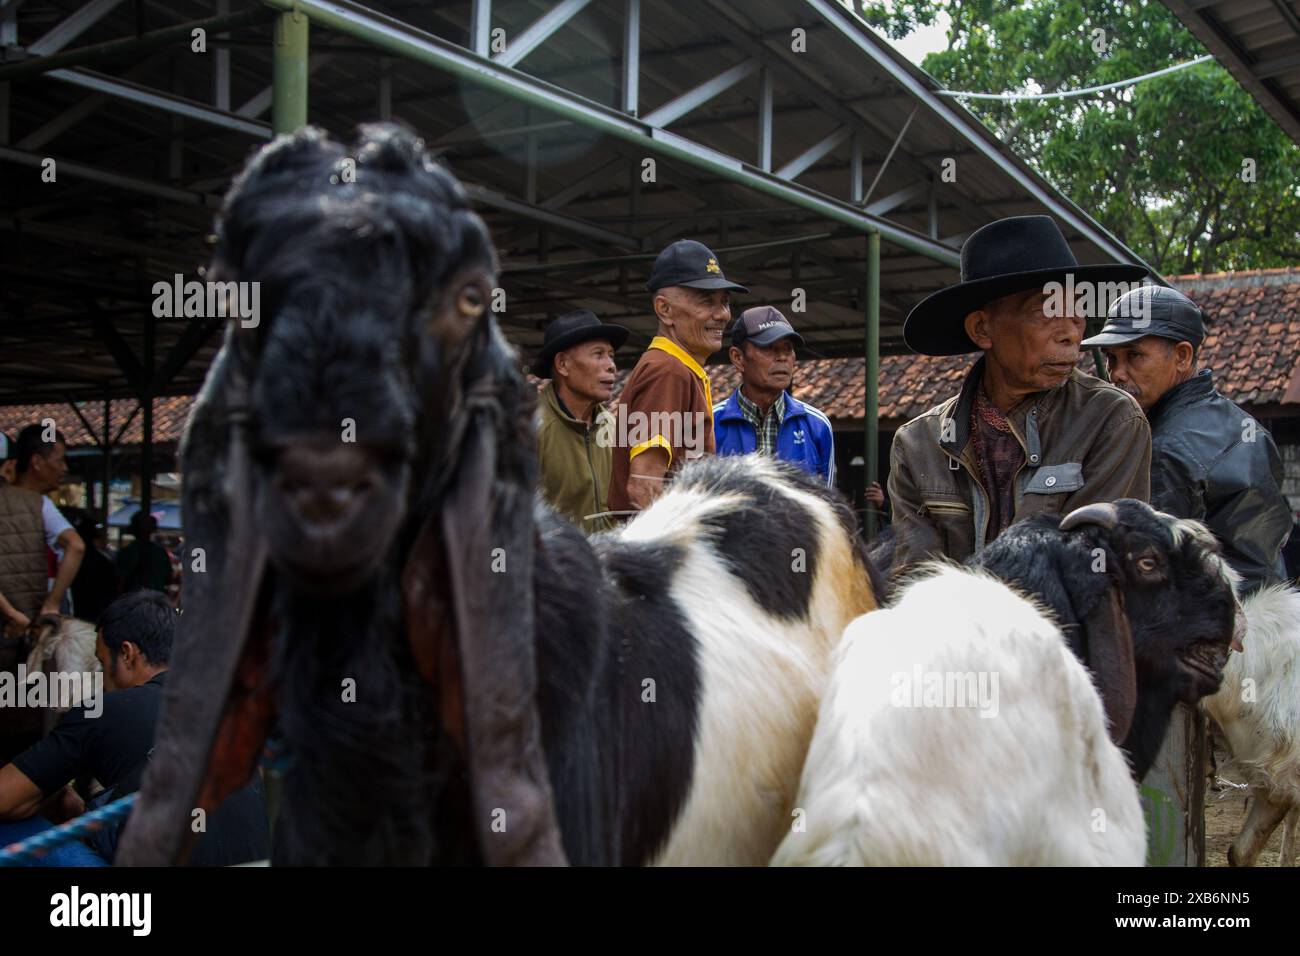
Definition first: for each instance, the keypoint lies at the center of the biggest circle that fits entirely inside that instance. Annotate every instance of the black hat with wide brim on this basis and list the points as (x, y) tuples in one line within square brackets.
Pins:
[(570, 329), (1003, 258)]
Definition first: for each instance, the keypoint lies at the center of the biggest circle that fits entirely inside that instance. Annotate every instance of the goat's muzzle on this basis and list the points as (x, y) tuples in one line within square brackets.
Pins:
[(329, 512)]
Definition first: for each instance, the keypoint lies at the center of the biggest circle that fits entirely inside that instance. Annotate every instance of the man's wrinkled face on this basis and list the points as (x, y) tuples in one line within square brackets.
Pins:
[(697, 316), (50, 467), (1148, 367), (1035, 351), (765, 368), (588, 369)]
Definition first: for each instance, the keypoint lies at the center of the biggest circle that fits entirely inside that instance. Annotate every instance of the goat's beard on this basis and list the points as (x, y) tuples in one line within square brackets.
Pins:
[(368, 769)]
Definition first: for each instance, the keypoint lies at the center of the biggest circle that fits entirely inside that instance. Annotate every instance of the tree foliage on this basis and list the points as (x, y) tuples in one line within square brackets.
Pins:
[(1166, 165)]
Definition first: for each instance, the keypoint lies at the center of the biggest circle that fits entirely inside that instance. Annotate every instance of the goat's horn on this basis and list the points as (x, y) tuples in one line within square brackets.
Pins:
[(1104, 514)]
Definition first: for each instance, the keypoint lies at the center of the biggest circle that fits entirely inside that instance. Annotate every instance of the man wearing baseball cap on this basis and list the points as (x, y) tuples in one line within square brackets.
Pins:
[(761, 415), (665, 413), (1028, 433), (1209, 459), (574, 428)]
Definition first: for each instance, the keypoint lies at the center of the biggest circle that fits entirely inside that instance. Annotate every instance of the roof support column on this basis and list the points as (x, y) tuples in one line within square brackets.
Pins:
[(146, 407), (289, 73), (871, 382), (106, 448), (632, 58)]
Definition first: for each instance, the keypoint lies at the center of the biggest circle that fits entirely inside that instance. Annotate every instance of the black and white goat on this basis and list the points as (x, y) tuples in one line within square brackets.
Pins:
[(1258, 710), (961, 725), (456, 674)]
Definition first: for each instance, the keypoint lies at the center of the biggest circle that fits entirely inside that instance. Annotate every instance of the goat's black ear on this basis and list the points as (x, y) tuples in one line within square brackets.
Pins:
[(1109, 650)]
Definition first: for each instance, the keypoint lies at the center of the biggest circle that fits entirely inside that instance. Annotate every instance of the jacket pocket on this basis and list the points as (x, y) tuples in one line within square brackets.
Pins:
[(1056, 479), (942, 507)]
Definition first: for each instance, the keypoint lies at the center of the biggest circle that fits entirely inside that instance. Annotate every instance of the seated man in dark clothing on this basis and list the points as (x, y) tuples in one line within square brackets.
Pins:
[(112, 742)]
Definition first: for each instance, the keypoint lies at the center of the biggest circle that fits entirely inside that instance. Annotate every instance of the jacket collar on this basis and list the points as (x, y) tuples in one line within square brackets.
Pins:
[(552, 400), (1200, 385), (731, 408), (954, 425)]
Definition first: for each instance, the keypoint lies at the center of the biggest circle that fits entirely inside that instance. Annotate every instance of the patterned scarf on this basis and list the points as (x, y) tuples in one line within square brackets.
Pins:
[(1000, 456)]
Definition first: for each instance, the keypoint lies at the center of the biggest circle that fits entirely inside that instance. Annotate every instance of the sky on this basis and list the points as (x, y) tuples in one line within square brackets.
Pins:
[(918, 43)]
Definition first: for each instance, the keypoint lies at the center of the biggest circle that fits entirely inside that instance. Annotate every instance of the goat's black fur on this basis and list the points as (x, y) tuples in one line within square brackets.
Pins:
[(1184, 607), (353, 276)]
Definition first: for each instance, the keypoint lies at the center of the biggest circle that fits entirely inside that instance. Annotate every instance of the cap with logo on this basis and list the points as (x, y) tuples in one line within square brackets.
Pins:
[(1151, 310), (762, 325), (689, 263)]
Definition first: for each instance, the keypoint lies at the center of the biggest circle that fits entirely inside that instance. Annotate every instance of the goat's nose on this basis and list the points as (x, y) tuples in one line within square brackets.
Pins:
[(323, 483)]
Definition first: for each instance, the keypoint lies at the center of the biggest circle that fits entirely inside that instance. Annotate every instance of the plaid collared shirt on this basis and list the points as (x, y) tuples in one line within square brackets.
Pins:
[(766, 427)]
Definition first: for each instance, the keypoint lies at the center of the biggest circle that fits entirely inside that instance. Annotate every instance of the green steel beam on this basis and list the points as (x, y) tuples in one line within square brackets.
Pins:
[(871, 420), (289, 71)]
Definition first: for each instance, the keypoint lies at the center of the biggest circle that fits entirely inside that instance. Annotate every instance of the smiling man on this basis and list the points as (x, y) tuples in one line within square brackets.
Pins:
[(1209, 459), (761, 415), (1028, 433), (665, 413)]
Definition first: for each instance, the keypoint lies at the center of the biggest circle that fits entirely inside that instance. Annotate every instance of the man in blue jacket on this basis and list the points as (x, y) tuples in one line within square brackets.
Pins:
[(761, 415)]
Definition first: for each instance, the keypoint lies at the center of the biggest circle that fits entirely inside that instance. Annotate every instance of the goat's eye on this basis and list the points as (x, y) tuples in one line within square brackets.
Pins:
[(1146, 565), (470, 302)]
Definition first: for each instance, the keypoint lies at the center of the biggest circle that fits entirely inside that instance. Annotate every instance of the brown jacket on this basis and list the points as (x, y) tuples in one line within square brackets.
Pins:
[(1084, 441), (666, 403)]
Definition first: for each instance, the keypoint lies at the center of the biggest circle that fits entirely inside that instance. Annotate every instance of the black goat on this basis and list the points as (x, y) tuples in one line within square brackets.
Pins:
[(457, 674), (1118, 577)]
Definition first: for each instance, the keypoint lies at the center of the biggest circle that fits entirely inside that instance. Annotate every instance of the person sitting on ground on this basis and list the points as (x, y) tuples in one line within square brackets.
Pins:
[(111, 740)]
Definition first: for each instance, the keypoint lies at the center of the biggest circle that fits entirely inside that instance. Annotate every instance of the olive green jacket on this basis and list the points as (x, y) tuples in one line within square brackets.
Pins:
[(1084, 441), (576, 460)]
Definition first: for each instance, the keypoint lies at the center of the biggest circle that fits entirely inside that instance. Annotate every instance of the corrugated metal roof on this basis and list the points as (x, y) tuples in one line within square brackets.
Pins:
[(579, 230)]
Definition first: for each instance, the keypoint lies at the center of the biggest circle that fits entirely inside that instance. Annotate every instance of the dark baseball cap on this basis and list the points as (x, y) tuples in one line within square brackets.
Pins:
[(762, 325), (689, 263), (1151, 310)]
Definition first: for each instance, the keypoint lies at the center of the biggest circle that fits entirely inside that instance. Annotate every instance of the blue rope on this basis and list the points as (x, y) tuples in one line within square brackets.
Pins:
[(18, 853), (275, 757)]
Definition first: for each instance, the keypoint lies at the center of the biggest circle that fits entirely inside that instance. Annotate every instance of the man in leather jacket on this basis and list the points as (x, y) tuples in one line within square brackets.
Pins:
[(1210, 460), (1029, 433)]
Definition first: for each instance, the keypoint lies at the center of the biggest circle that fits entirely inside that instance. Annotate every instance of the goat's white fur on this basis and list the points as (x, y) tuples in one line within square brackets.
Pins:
[(1264, 733), (68, 648), (1040, 783), (761, 677)]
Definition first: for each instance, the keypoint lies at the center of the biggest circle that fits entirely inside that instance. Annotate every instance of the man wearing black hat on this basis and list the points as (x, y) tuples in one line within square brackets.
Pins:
[(1028, 433), (1209, 459), (761, 415), (574, 429), (665, 413)]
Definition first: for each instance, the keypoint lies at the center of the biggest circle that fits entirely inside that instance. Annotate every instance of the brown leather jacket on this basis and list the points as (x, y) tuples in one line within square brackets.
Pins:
[(1084, 441)]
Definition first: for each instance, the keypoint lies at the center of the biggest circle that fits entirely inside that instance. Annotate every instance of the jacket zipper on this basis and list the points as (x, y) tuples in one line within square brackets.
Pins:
[(595, 484)]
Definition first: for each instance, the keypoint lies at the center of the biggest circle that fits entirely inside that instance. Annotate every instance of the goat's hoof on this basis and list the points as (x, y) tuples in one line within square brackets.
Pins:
[(1232, 856)]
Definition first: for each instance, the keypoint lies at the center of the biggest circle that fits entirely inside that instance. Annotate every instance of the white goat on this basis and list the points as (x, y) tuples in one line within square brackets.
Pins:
[(64, 646), (1015, 769), (1258, 709)]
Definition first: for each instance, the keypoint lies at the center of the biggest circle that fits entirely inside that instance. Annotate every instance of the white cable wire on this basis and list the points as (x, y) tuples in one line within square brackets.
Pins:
[(1008, 97)]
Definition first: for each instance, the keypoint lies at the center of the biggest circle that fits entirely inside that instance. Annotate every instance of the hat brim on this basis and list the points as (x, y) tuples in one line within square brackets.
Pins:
[(936, 325), (616, 335), (768, 336), (709, 282), (1106, 339)]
